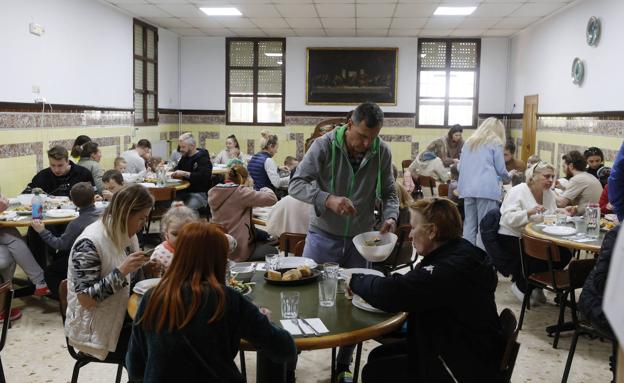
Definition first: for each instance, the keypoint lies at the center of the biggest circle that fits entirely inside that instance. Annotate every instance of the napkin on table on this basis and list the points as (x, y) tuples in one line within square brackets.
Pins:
[(292, 328)]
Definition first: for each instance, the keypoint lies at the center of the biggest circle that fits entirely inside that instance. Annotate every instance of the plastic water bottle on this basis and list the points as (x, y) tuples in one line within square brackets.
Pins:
[(592, 219), (37, 206)]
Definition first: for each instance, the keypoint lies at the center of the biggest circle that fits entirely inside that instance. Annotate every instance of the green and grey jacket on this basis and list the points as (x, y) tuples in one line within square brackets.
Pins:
[(326, 170)]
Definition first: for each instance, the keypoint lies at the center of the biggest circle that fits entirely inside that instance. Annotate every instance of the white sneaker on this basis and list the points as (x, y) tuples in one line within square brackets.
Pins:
[(517, 293), (538, 297)]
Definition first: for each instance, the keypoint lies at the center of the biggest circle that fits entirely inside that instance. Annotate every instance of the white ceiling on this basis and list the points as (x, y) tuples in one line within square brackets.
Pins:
[(341, 18)]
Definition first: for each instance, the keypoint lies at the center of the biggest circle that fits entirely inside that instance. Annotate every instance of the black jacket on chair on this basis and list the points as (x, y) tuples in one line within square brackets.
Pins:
[(590, 300), (453, 323)]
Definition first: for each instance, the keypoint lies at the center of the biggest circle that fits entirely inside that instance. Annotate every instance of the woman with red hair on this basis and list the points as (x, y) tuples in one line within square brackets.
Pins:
[(188, 328)]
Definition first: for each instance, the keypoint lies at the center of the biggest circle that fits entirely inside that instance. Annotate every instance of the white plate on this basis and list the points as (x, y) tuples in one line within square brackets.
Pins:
[(349, 272), (101, 204), (362, 304), (173, 181), (293, 262), (144, 285), (559, 230), (60, 213), (148, 184)]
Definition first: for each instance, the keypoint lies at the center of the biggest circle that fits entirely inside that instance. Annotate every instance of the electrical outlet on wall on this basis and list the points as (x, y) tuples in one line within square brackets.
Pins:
[(36, 29), (35, 89)]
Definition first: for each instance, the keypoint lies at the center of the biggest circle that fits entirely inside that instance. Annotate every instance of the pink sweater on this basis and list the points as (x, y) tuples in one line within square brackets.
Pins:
[(231, 205)]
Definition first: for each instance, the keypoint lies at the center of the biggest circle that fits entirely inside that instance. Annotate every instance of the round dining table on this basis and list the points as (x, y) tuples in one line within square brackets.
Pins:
[(347, 324), (177, 185), (26, 220), (537, 230)]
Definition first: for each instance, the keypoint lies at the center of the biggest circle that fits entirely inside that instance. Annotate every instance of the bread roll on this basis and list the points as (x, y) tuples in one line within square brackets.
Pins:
[(305, 271), (274, 275), (291, 275)]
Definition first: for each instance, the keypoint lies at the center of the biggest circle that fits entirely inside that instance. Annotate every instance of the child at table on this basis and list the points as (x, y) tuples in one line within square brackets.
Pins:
[(176, 217), (120, 164)]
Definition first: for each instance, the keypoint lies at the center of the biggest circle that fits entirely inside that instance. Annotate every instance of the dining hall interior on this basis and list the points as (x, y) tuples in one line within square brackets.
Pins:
[(419, 190)]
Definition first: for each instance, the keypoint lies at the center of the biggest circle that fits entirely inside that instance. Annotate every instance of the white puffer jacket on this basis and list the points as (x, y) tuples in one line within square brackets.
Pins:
[(96, 331)]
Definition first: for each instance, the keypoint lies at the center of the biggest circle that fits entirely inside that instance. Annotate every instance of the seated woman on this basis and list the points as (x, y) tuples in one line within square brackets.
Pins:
[(453, 330), (98, 275), (231, 152), (198, 343), (231, 204), (90, 157), (263, 168), (595, 160), (426, 164), (522, 203)]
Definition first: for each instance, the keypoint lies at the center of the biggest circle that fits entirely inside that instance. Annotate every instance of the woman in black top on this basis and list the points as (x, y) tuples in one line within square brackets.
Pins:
[(188, 328)]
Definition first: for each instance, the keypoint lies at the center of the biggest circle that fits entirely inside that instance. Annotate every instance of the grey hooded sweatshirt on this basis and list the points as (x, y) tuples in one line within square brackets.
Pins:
[(373, 177)]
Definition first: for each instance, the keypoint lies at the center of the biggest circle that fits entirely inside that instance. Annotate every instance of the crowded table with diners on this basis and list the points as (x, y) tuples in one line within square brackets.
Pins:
[(302, 191)]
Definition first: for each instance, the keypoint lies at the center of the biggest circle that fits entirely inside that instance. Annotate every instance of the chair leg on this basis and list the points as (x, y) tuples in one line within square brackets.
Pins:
[(525, 303), (243, 366), (2, 378), (358, 357), (79, 364), (566, 372), (562, 305), (119, 371), (333, 365)]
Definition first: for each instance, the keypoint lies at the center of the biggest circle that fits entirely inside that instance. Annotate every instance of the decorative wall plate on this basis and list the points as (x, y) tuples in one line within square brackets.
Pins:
[(592, 33), (578, 71)]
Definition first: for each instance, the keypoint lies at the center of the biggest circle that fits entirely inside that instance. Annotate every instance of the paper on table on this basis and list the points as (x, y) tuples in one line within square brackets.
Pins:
[(613, 303), (317, 323)]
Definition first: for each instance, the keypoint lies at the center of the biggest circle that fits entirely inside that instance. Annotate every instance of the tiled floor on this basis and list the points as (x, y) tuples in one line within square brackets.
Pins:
[(35, 350)]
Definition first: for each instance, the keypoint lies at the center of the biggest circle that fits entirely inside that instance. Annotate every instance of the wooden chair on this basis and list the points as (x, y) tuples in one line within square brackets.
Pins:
[(509, 325), (402, 254), (579, 270), (322, 128), (162, 199), (554, 280), (426, 182), (405, 164), (82, 359), (443, 190), (299, 248), (289, 241), (6, 299)]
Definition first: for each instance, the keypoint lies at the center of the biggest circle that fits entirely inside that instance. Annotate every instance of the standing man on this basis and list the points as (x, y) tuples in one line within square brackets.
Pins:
[(583, 188), (136, 157), (343, 174), (194, 166)]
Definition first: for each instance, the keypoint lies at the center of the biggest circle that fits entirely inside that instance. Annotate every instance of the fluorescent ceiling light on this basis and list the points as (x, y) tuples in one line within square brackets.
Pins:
[(273, 54), (454, 11), (221, 11)]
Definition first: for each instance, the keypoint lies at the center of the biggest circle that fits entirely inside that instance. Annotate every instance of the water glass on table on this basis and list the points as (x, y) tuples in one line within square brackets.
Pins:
[(592, 220), (328, 284), (272, 262), (290, 304)]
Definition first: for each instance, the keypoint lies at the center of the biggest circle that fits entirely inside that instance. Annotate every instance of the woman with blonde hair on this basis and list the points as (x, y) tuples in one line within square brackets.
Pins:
[(188, 328), (231, 204), (523, 203), (263, 168), (481, 168), (98, 275)]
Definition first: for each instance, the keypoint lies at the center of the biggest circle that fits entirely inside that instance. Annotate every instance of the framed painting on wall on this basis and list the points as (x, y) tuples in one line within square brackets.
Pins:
[(347, 76)]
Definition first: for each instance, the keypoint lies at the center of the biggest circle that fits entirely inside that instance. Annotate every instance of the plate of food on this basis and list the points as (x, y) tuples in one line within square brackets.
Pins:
[(60, 213), (23, 210), (606, 224), (374, 246), (363, 305), (291, 277), (350, 272), (559, 230), (173, 181), (7, 215), (241, 287)]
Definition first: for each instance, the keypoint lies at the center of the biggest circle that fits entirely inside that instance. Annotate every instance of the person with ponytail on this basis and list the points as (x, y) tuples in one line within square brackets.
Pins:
[(262, 167), (188, 328), (231, 204)]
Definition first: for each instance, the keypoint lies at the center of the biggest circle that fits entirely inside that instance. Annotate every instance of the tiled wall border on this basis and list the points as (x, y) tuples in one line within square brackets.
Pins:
[(24, 149), (547, 146), (22, 120), (582, 125)]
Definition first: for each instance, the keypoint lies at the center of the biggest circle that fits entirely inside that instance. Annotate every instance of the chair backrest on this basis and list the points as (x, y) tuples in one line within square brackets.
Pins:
[(163, 194), (299, 248), (443, 190), (427, 182), (541, 249), (322, 128), (509, 324), (6, 298), (62, 292), (579, 270), (402, 232), (405, 164), (288, 241)]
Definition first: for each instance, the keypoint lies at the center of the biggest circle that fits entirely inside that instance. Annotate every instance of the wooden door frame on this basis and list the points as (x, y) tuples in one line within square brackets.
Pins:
[(529, 127)]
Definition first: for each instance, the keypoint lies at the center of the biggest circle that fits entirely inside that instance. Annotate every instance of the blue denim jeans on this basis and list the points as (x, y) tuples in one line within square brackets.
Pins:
[(475, 209)]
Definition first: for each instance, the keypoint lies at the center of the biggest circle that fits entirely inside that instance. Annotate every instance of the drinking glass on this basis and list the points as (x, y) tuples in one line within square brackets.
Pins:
[(592, 220), (290, 304), (550, 219), (328, 284), (272, 261)]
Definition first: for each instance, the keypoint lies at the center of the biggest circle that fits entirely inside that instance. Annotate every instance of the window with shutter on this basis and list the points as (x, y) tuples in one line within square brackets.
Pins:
[(145, 74)]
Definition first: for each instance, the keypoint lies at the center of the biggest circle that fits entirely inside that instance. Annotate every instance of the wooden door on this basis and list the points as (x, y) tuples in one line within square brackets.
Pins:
[(529, 126)]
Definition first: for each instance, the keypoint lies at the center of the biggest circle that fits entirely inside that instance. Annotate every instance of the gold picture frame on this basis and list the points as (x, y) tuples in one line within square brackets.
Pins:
[(350, 76)]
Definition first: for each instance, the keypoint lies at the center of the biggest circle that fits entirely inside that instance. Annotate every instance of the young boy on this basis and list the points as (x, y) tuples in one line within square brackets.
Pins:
[(113, 181), (120, 164), (82, 195)]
